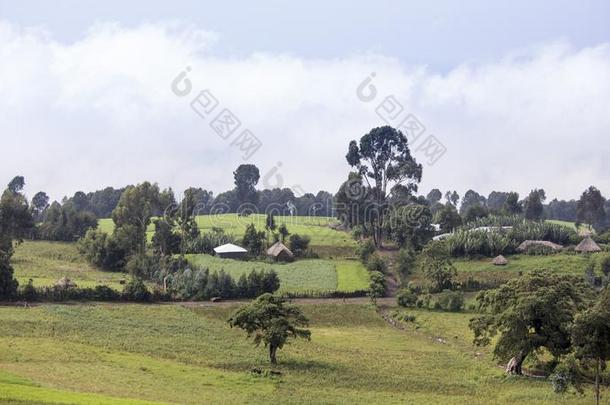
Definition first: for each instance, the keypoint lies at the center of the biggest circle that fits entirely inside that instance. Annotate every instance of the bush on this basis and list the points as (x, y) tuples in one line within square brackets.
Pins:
[(135, 290), (406, 298), (365, 250), (452, 301), (604, 265), (299, 244), (376, 263), (29, 292), (102, 250), (405, 262)]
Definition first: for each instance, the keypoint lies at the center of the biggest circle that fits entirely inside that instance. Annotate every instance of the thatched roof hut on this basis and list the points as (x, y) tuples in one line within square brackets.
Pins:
[(587, 245), (545, 243), (499, 261), (279, 251), (65, 283)]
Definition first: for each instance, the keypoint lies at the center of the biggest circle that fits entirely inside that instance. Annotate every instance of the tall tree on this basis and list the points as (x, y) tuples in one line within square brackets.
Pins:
[(528, 313), (132, 216), (590, 208), (269, 320), (533, 207), (511, 205), (384, 161), (40, 203), (470, 199), (448, 218), (434, 196), (15, 222), (246, 178), (452, 197)]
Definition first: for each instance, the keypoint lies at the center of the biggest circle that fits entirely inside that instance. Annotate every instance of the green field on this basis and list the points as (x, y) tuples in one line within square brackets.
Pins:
[(315, 275), (47, 262), (570, 225), (324, 239), (171, 354)]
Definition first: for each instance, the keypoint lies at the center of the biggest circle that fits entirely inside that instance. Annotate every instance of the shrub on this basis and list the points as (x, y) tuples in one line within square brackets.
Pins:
[(29, 292), (604, 265), (376, 263), (406, 298), (299, 244), (135, 290), (365, 250), (539, 250), (452, 301), (405, 261)]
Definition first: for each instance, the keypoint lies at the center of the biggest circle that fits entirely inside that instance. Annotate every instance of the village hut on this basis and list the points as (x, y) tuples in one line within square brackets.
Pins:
[(230, 251), (587, 245), (499, 261), (65, 283), (280, 252), (543, 243)]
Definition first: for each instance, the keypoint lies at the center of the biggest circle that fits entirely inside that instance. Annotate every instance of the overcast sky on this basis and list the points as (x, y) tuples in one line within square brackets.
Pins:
[(517, 94)]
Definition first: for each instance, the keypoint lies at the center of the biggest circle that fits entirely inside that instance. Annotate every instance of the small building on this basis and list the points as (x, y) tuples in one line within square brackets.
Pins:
[(499, 261), (523, 247), (587, 245), (230, 251), (280, 252)]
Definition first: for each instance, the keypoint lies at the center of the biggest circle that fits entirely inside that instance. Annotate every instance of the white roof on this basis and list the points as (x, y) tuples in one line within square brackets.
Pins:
[(230, 248)]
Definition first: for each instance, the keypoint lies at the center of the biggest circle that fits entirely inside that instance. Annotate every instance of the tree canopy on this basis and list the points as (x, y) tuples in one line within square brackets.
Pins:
[(269, 320)]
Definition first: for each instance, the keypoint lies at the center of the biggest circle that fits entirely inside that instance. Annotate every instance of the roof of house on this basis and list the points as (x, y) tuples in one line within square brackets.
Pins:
[(499, 260), (526, 244), (277, 249), (588, 245), (230, 248)]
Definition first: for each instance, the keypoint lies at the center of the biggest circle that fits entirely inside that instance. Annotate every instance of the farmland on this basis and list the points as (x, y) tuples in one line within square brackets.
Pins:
[(315, 275), (325, 240), (133, 353)]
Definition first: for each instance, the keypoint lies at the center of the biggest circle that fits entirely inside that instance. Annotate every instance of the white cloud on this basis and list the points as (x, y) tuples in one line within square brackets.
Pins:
[(101, 112)]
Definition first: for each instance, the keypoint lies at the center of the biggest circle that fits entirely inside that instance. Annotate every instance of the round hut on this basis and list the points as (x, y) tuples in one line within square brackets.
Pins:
[(587, 245), (499, 261)]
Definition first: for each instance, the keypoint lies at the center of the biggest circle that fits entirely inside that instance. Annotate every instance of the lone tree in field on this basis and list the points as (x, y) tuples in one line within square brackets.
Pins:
[(528, 313), (384, 161), (269, 320)]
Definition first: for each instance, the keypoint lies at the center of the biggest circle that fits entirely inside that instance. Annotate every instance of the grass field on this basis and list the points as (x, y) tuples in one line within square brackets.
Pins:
[(47, 262), (170, 354), (316, 275), (323, 238), (570, 225)]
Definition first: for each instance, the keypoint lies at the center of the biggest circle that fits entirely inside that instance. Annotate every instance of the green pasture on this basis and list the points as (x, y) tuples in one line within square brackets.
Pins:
[(107, 354)]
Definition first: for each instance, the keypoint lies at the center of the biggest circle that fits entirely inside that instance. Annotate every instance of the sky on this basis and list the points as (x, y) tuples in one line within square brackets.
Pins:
[(492, 96)]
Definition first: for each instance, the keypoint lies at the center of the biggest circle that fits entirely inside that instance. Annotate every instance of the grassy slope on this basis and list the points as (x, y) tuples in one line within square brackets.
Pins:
[(172, 354), (47, 262), (302, 275)]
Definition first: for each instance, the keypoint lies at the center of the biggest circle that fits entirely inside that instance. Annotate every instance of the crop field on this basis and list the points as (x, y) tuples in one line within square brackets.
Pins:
[(133, 354), (47, 262), (312, 275), (324, 239)]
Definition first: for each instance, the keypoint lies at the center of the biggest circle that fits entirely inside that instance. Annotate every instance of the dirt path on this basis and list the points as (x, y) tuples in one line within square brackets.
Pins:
[(388, 301)]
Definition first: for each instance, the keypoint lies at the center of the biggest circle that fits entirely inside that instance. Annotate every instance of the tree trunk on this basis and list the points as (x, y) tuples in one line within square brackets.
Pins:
[(515, 364), (597, 371), (272, 351)]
